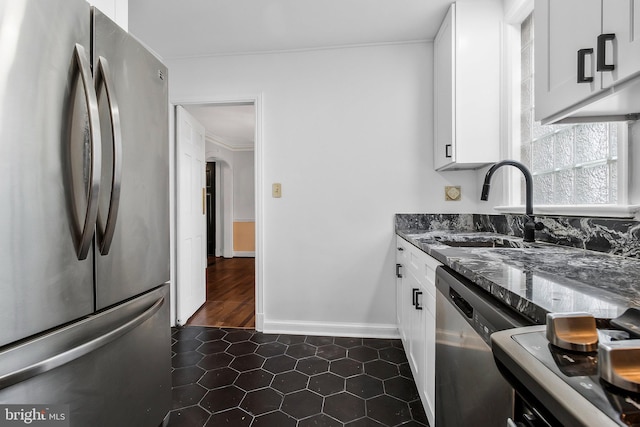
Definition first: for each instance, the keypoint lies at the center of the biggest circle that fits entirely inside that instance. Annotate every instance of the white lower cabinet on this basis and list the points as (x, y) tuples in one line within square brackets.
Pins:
[(417, 317), (402, 306)]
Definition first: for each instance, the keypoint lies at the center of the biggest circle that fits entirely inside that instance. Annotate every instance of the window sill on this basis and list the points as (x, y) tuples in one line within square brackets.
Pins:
[(604, 211)]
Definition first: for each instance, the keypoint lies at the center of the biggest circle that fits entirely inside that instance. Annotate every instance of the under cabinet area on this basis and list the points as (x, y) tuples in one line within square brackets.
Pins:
[(467, 73), (589, 69), (415, 290)]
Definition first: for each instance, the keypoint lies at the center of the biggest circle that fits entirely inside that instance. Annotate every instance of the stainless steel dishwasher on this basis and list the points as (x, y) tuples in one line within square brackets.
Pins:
[(470, 391)]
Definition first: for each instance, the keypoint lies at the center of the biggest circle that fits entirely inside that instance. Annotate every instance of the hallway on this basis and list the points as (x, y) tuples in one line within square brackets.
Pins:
[(230, 295)]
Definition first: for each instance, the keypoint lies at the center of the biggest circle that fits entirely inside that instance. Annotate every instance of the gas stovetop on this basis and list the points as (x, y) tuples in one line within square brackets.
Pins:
[(598, 361), (580, 371)]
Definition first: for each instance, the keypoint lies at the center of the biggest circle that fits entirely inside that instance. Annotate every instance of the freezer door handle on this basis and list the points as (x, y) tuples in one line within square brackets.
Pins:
[(54, 361), (93, 187), (106, 230)]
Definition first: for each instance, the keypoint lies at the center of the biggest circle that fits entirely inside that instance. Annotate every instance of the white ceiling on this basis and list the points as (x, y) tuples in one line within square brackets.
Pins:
[(188, 28), (182, 28), (232, 126)]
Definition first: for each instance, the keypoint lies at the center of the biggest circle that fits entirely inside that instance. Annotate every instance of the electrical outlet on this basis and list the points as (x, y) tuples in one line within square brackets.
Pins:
[(452, 193), (276, 190)]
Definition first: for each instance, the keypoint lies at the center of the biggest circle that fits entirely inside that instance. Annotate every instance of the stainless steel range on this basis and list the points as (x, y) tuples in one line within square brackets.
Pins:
[(575, 371)]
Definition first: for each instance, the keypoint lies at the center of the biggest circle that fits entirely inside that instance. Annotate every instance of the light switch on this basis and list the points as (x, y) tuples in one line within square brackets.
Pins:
[(276, 190)]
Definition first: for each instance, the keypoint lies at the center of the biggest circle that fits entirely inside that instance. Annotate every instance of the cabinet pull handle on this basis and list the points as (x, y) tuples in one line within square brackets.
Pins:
[(401, 249), (414, 297), (601, 57), (417, 304), (447, 151), (398, 272), (582, 53)]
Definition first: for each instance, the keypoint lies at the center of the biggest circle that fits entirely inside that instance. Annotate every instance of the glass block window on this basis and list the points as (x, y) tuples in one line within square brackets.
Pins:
[(572, 164)]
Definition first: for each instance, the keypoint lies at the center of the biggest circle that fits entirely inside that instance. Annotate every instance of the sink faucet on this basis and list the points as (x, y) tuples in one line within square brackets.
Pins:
[(530, 224)]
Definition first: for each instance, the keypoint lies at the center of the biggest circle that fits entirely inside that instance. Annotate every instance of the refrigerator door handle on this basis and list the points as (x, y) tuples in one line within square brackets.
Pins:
[(91, 100), (84, 348), (106, 233)]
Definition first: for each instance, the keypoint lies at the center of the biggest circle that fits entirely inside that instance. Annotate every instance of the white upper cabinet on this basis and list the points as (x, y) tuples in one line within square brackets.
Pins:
[(567, 45), (587, 58), (467, 71), (621, 18)]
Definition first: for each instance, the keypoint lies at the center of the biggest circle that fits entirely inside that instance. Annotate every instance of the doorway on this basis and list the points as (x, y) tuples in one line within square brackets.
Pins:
[(211, 212), (230, 130), (230, 295)]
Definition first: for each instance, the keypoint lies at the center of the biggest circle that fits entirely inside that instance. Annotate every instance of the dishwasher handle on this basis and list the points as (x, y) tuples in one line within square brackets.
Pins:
[(460, 302)]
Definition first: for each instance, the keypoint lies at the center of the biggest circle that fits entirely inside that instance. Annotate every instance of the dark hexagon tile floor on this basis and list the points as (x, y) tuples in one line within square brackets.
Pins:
[(243, 378)]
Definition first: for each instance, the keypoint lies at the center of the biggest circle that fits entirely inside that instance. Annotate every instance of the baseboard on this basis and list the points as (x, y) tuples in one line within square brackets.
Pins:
[(260, 322), (333, 329), (244, 254)]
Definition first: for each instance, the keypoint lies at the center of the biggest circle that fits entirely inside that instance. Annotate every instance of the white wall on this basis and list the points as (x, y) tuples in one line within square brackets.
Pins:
[(243, 186), (236, 195), (634, 165), (224, 196), (215, 151), (242, 165), (117, 10), (349, 134)]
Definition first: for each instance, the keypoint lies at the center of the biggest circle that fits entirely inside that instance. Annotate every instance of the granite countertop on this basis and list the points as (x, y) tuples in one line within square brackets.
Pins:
[(537, 278)]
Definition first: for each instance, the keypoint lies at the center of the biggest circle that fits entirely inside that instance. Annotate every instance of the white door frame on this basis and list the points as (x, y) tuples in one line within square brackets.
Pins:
[(256, 99)]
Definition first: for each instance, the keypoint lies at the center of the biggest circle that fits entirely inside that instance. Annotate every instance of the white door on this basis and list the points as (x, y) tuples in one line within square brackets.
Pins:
[(191, 218)]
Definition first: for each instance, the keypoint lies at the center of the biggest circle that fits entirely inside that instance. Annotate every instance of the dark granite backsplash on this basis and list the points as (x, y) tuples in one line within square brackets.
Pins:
[(433, 222), (613, 236)]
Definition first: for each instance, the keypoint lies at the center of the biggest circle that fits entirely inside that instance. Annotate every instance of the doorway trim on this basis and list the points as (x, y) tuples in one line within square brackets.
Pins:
[(257, 100)]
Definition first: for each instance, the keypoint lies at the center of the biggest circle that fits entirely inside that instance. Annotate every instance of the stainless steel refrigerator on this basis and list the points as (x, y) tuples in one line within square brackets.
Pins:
[(84, 217)]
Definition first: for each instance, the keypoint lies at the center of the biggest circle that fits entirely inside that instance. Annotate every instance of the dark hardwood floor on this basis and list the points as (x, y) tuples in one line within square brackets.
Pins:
[(230, 295)]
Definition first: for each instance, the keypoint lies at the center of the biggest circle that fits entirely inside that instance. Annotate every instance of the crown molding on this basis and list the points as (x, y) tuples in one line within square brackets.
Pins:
[(307, 49), (214, 140)]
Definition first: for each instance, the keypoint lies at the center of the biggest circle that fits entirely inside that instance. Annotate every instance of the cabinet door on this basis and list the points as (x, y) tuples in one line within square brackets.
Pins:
[(402, 256), (399, 277), (444, 111), (417, 326), (556, 53), (417, 334), (429, 387), (467, 86), (622, 18)]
